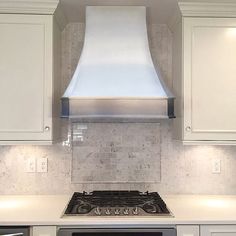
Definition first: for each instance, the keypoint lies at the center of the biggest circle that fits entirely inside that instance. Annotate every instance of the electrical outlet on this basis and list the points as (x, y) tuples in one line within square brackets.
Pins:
[(42, 165), (216, 166), (30, 165)]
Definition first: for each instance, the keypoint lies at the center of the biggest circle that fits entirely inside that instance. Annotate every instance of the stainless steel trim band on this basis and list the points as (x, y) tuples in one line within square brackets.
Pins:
[(118, 109)]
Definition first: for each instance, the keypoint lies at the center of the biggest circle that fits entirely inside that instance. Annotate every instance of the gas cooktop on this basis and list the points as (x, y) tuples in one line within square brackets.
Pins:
[(117, 203)]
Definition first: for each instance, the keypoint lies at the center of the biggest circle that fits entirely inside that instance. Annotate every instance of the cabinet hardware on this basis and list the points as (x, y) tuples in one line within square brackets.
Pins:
[(188, 128), (47, 128)]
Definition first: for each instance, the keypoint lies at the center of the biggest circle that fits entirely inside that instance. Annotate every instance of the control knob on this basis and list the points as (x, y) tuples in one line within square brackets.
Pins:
[(135, 211), (126, 211), (98, 211), (117, 211), (107, 211)]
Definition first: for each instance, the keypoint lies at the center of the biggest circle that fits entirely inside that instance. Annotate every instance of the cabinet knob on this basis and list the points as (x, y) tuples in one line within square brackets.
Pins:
[(47, 128), (188, 128)]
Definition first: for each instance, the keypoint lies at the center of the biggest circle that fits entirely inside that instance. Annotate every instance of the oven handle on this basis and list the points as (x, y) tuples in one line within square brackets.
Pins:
[(166, 231), (15, 234)]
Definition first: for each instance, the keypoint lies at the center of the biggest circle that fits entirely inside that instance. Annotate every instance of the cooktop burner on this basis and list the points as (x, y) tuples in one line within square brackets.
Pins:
[(117, 203)]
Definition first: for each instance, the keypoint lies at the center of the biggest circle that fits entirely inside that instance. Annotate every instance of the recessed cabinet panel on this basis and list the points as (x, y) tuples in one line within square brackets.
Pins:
[(188, 230), (22, 63), (218, 230), (25, 84), (209, 79), (213, 74)]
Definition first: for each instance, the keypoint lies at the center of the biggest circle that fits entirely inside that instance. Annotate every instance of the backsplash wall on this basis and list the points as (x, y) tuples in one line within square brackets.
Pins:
[(183, 169), (116, 153)]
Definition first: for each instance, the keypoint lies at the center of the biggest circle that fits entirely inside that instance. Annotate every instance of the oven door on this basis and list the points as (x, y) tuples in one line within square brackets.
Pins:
[(14, 231), (117, 232)]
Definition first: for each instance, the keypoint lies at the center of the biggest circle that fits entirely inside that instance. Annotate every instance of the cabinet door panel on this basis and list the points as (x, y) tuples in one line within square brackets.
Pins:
[(187, 230), (210, 79), (25, 80), (218, 230)]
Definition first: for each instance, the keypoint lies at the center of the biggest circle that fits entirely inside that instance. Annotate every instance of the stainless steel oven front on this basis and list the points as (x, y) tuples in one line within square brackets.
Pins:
[(157, 231), (14, 231)]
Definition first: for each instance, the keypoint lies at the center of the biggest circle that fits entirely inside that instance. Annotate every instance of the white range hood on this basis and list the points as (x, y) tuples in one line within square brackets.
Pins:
[(115, 77)]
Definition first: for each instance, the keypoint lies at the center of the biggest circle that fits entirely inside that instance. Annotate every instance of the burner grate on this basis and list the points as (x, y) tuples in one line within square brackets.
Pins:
[(84, 203)]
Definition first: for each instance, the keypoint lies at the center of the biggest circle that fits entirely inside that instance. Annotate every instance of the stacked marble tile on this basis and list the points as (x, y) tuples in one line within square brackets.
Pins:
[(116, 153)]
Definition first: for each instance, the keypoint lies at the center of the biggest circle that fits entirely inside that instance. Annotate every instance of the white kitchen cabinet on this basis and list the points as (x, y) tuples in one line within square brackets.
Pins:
[(204, 71), (187, 230), (29, 78), (43, 231), (218, 230)]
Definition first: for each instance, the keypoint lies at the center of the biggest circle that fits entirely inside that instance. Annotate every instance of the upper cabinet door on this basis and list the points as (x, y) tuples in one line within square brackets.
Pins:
[(209, 78), (25, 77)]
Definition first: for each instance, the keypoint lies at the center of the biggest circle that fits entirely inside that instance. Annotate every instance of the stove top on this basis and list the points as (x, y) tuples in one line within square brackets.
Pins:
[(117, 203)]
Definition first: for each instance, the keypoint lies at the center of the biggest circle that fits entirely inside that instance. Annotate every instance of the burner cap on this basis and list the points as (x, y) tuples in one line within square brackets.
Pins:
[(83, 208), (151, 208)]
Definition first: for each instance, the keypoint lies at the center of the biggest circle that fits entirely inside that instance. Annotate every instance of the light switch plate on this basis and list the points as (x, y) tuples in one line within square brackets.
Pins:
[(31, 165), (42, 165), (216, 166)]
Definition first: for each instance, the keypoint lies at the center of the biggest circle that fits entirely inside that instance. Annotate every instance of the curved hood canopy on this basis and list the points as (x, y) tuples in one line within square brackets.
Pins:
[(115, 77)]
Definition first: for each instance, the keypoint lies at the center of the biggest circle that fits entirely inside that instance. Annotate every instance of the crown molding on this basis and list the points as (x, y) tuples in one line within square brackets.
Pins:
[(207, 9), (46, 7), (210, 142)]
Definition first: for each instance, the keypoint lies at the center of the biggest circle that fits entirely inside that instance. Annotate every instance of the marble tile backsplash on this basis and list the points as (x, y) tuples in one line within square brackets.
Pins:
[(176, 169), (116, 153)]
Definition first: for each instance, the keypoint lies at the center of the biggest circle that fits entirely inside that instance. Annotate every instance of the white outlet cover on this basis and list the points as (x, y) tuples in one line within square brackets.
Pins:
[(216, 166), (31, 165), (42, 165)]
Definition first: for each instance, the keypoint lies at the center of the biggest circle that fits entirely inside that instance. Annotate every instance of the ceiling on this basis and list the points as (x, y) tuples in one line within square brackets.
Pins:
[(159, 11)]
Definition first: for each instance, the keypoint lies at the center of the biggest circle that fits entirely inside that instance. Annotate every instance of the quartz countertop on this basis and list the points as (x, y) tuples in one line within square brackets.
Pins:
[(48, 210)]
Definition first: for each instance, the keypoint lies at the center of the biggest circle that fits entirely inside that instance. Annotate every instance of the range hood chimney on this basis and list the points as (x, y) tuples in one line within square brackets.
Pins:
[(115, 78)]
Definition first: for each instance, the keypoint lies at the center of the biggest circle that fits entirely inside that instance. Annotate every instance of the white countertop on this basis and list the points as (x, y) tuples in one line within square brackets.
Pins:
[(48, 210)]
